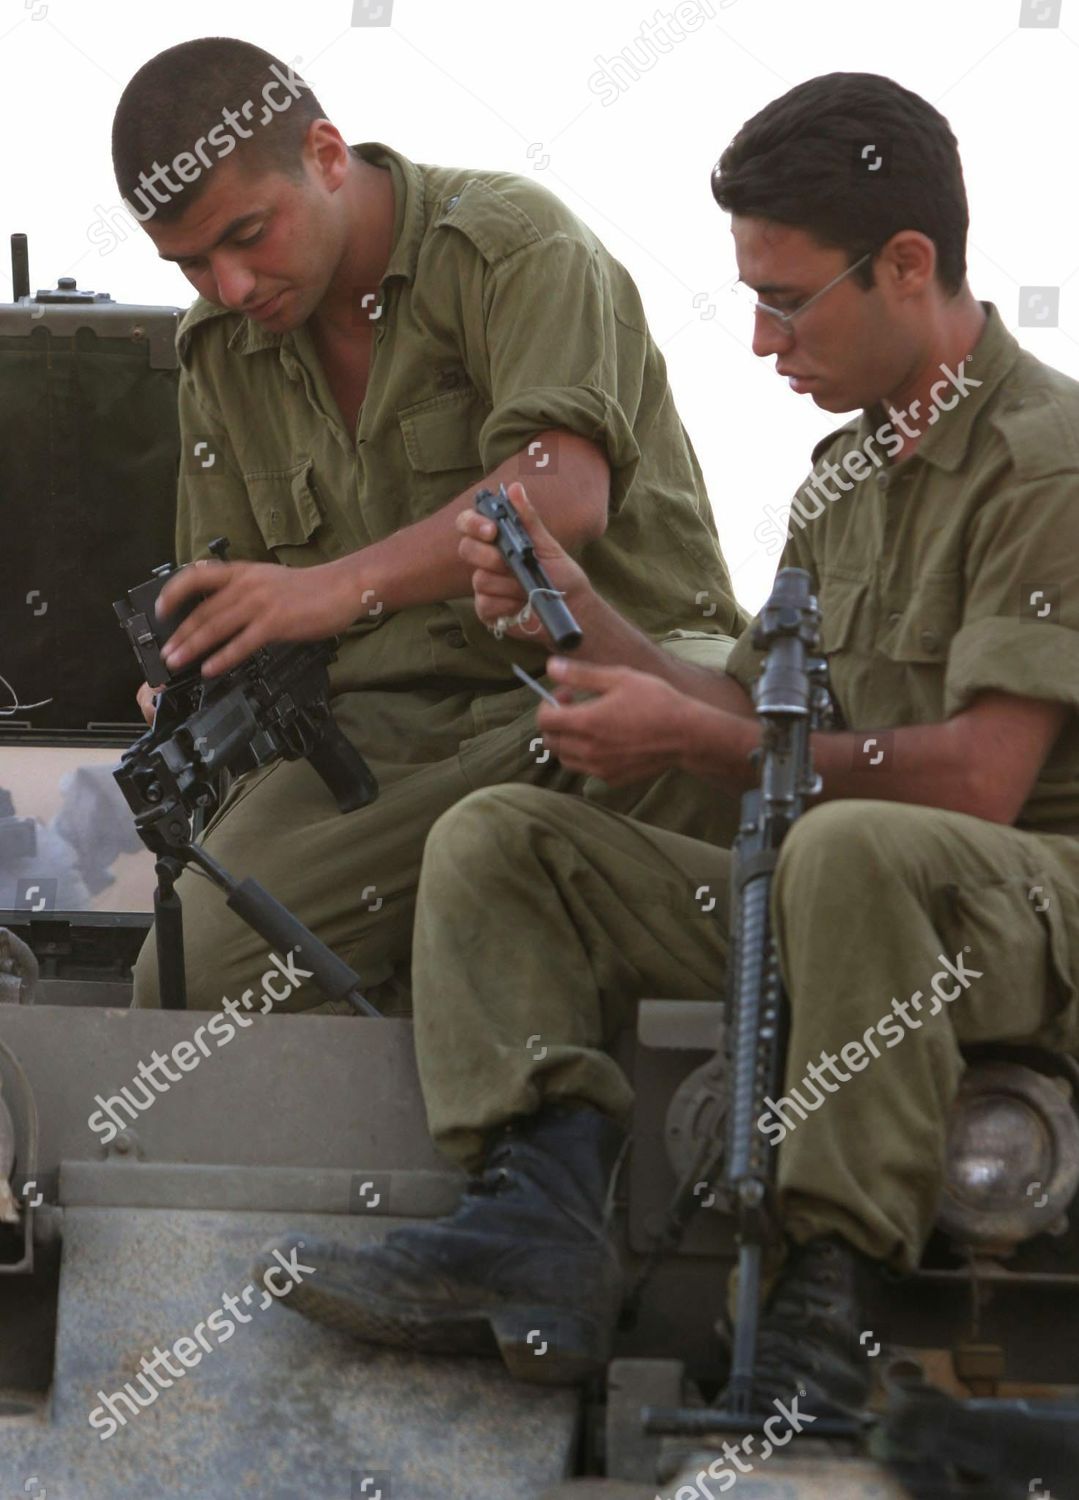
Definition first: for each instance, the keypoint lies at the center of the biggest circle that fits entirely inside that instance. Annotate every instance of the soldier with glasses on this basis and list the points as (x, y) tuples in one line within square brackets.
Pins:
[(941, 534)]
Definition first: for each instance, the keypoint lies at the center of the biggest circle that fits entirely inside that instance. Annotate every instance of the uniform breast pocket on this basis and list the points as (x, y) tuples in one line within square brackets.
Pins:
[(285, 506), (441, 441), (840, 600), (922, 631)]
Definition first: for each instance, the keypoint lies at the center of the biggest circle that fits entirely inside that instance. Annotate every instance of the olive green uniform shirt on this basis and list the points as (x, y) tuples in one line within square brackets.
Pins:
[(955, 571), (501, 316)]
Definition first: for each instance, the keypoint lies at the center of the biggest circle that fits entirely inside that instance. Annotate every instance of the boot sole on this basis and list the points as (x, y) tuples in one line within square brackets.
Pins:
[(581, 1348)]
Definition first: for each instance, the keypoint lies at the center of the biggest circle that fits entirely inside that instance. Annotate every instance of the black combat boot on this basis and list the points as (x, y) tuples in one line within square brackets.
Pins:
[(809, 1341), (523, 1267)]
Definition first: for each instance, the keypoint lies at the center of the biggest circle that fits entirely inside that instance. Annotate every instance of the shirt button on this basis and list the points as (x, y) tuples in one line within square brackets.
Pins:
[(930, 640), (894, 619), (455, 638)]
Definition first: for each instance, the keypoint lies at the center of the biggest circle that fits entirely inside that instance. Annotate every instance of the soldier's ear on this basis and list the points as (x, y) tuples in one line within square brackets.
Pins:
[(907, 264)]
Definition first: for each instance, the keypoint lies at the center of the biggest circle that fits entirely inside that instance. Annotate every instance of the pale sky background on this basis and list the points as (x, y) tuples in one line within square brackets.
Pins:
[(506, 84)]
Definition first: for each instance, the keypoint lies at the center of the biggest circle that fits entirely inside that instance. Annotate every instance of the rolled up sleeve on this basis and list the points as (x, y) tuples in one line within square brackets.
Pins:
[(562, 355), (1019, 631)]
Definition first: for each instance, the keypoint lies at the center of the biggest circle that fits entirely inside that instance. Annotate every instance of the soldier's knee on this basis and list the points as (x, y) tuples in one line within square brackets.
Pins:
[(851, 843), (481, 822)]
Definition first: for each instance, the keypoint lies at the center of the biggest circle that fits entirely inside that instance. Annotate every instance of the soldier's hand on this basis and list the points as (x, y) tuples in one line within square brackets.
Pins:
[(251, 604), (633, 729), (147, 701), (496, 592)]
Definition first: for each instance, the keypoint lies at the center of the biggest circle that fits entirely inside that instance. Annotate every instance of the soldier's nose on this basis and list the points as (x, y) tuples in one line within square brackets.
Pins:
[(235, 288)]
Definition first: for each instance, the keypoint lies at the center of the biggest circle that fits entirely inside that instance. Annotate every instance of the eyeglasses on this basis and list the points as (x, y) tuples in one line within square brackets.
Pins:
[(748, 297)]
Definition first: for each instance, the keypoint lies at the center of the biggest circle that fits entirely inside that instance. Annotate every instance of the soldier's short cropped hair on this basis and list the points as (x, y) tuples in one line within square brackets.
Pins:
[(197, 104), (851, 158)]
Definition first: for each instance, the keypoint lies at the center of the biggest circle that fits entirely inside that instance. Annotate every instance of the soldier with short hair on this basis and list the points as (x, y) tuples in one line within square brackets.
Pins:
[(930, 900), (372, 341)]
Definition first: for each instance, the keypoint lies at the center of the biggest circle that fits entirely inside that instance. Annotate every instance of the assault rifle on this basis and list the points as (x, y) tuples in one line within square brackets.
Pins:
[(791, 698)]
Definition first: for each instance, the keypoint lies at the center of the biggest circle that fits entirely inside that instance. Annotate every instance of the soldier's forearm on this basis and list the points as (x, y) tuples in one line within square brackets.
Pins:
[(929, 764), (919, 763), (983, 761), (420, 564), (717, 744), (611, 641)]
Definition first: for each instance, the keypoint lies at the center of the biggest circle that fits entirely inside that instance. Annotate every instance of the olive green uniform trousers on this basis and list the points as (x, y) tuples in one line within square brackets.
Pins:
[(541, 921), (352, 877)]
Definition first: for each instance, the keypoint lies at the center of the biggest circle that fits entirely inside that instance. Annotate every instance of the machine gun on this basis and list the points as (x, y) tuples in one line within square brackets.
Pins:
[(791, 698), (273, 704)]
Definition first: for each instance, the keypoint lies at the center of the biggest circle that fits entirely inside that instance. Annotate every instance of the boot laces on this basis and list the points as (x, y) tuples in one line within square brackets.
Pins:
[(494, 1176)]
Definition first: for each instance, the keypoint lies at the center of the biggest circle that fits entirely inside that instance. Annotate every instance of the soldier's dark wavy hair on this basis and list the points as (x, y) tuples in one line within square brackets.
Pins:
[(178, 96), (798, 162)]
